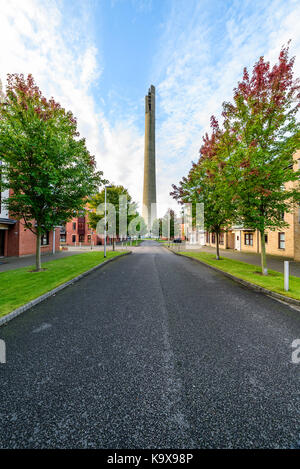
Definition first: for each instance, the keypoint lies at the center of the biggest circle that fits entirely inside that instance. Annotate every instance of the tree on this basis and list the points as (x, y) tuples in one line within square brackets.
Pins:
[(137, 226), (46, 164), (113, 197), (169, 223), (208, 183), (156, 229), (263, 119)]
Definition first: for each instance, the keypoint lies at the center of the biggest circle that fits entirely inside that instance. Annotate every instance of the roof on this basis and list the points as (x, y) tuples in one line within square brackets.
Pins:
[(7, 221)]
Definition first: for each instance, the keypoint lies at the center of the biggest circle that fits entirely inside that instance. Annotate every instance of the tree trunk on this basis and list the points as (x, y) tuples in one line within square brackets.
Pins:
[(217, 246), (264, 269), (38, 251)]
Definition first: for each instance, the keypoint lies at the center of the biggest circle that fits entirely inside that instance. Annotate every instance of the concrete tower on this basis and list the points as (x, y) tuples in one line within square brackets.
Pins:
[(149, 192)]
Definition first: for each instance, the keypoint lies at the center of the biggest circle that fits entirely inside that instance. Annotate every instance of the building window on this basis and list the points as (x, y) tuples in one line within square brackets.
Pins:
[(221, 238), (63, 234), (281, 240), (74, 225), (266, 239), (73, 238), (207, 233), (248, 239), (81, 238), (45, 239), (213, 238)]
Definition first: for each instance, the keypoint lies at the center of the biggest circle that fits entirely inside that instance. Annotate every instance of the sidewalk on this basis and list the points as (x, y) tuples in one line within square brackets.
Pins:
[(273, 262)]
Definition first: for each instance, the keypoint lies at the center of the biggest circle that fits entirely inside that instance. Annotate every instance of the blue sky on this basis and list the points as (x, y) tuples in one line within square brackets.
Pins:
[(98, 58)]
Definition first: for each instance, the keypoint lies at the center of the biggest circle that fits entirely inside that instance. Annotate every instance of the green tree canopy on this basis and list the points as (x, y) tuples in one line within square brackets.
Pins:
[(113, 197), (208, 183), (263, 118), (46, 164), (246, 172)]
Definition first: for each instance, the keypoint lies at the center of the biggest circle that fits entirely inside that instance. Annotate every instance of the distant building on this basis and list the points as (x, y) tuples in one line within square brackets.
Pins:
[(78, 232)]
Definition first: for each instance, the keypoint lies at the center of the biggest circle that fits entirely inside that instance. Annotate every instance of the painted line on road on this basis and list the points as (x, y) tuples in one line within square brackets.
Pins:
[(16, 312)]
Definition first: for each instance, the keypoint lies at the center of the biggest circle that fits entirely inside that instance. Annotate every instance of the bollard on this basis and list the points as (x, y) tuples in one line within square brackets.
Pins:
[(286, 275)]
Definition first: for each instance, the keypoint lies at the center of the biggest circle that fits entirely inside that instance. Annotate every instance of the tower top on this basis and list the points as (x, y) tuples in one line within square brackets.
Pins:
[(150, 99)]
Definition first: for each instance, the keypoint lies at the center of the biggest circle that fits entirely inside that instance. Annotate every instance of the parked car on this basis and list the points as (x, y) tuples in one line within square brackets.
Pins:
[(177, 240)]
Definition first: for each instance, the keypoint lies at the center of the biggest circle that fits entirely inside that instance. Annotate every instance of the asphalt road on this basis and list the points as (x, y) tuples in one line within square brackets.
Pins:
[(152, 351)]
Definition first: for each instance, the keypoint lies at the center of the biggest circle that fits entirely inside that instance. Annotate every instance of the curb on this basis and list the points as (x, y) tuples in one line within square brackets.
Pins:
[(16, 312), (250, 285)]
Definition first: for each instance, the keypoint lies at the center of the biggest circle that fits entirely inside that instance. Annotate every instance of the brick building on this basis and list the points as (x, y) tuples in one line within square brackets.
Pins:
[(17, 240), (77, 232), (285, 242)]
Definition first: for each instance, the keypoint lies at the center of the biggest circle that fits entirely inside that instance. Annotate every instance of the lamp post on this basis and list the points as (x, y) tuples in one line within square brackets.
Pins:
[(106, 187)]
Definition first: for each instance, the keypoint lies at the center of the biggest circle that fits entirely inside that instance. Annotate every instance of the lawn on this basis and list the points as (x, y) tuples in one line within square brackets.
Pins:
[(251, 273), (19, 286), (133, 242), (136, 242)]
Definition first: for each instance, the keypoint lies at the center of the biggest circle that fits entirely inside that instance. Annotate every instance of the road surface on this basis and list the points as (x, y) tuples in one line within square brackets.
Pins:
[(152, 351)]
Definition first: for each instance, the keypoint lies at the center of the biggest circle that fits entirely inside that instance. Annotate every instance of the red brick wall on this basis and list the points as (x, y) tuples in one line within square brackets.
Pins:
[(87, 231), (27, 244), (21, 241)]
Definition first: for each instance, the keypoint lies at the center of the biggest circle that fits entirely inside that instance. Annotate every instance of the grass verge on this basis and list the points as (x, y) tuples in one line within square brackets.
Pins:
[(251, 273), (19, 286), (136, 242)]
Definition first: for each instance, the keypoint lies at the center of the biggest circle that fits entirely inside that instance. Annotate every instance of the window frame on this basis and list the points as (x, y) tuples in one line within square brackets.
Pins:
[(248, 239), (45, 237), (280, 241)]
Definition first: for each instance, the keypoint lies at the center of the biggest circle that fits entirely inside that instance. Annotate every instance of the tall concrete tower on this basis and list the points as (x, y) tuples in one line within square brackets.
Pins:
[(149, 192)]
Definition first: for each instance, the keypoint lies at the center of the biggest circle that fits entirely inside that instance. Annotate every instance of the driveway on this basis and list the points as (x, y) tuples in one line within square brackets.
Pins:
[(152, 351)]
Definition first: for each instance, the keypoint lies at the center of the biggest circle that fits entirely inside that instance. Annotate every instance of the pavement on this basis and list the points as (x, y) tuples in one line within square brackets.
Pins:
[(273, 262), (152, 351)]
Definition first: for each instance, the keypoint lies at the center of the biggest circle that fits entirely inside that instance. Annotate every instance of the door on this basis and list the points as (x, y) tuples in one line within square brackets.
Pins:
[(237, 241), (2, 238)]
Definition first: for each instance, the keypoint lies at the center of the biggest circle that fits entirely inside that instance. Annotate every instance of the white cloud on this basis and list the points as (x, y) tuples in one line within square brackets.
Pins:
[(200, 62), (202, 50), (36, 38)]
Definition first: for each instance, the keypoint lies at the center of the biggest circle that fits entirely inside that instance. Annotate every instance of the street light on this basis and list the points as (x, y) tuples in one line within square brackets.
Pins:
[(106, 187)]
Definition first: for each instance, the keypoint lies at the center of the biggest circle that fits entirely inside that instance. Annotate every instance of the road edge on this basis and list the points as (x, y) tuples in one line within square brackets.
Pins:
[(16, 312), (247, 284)]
